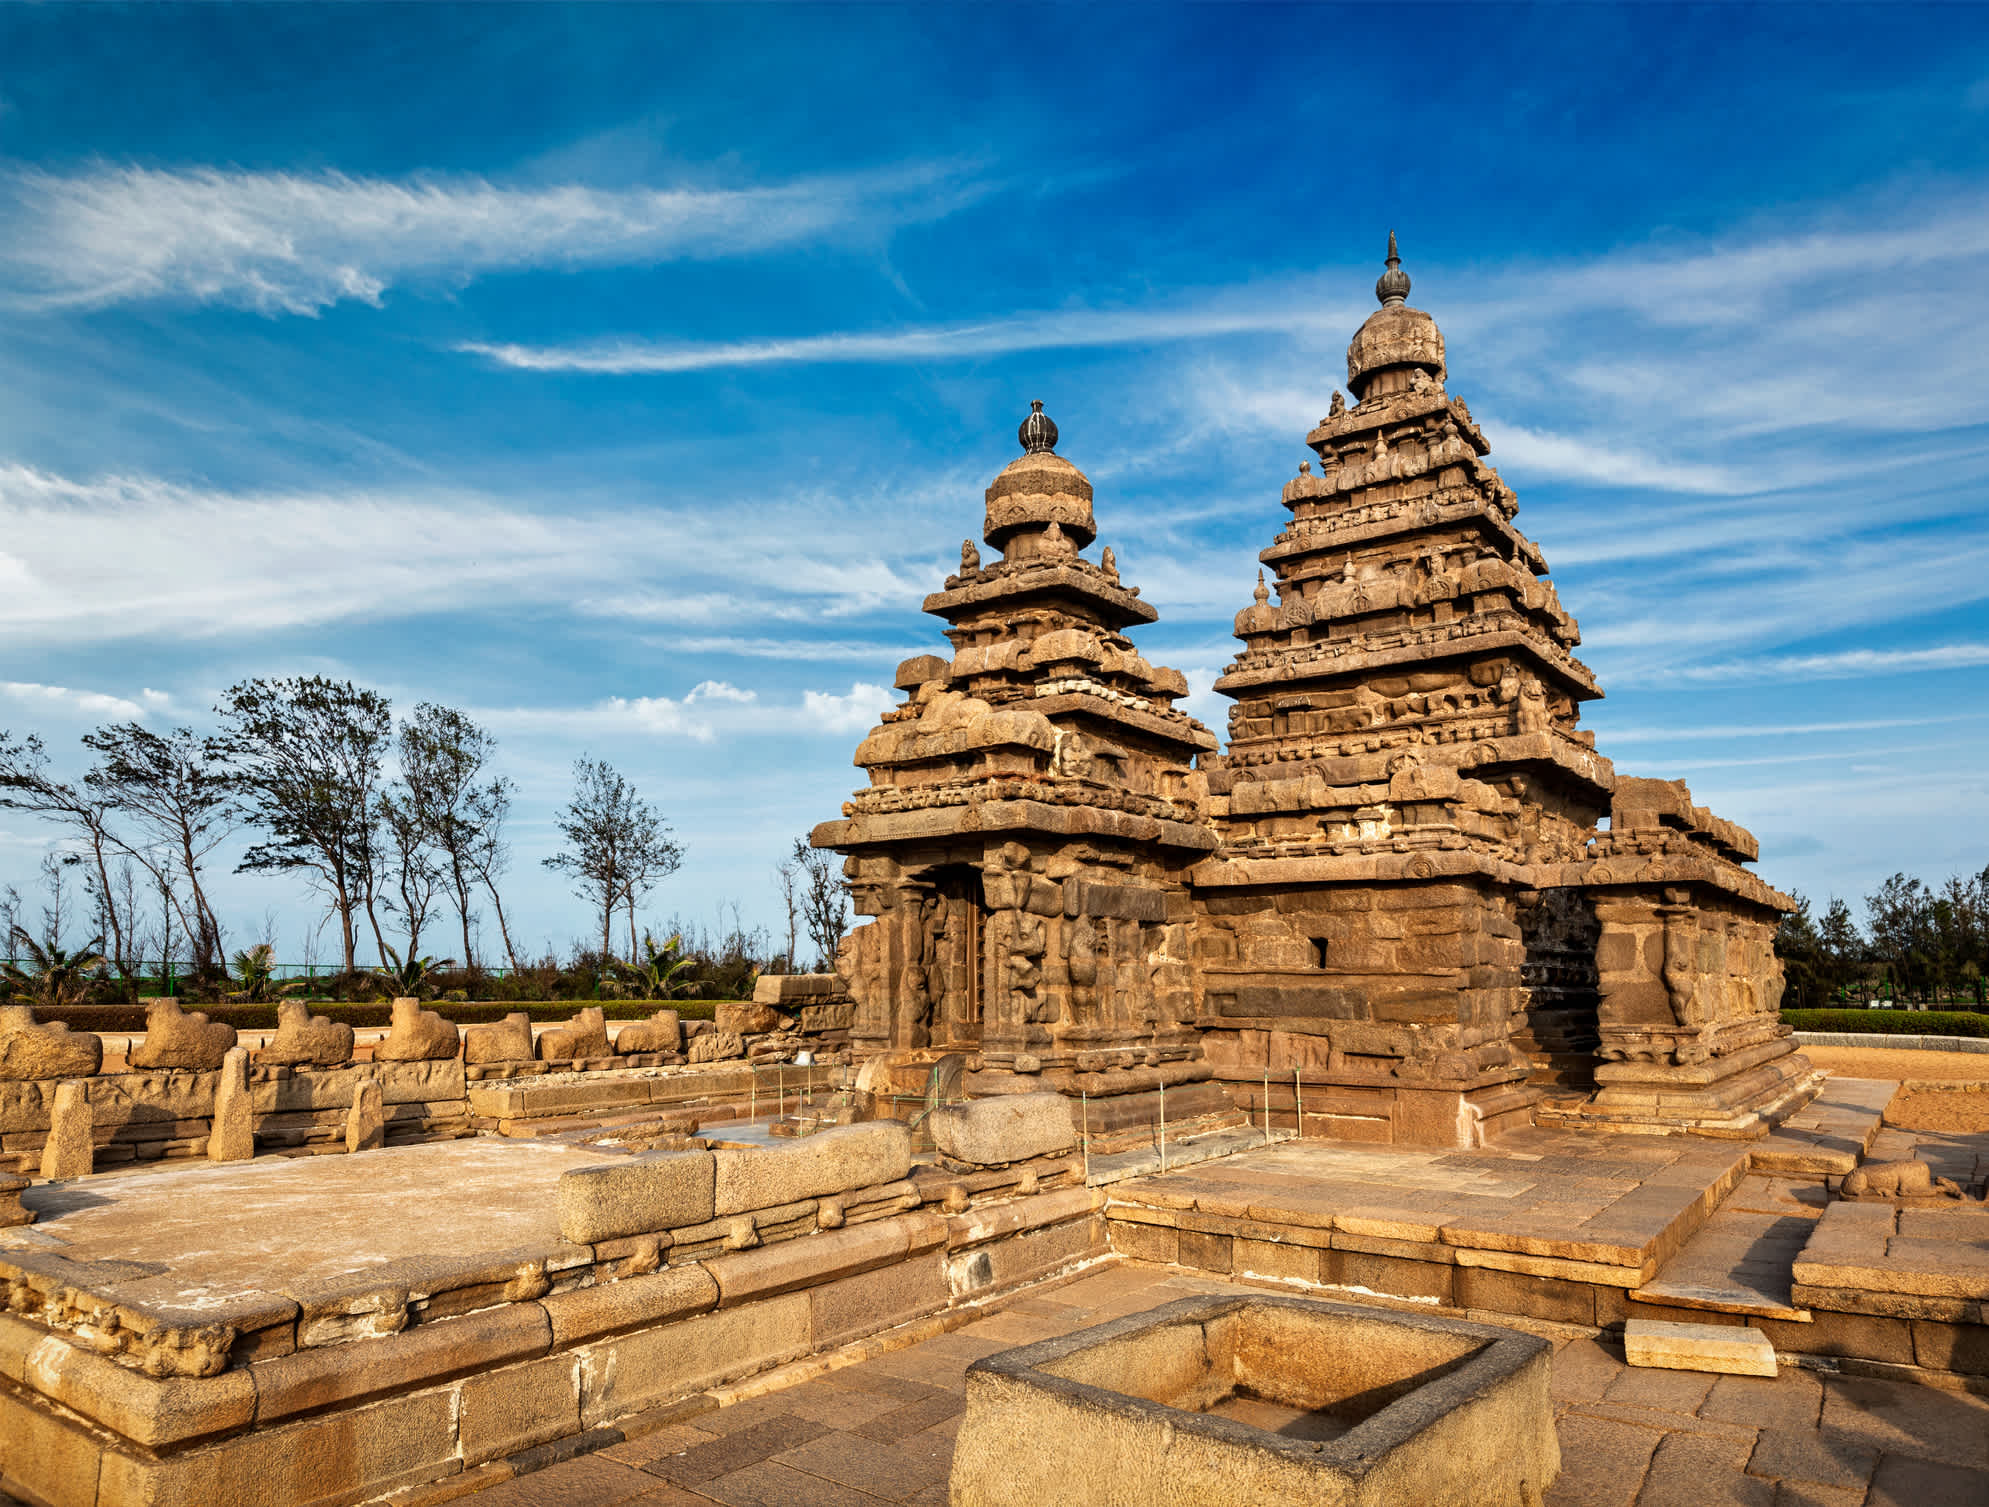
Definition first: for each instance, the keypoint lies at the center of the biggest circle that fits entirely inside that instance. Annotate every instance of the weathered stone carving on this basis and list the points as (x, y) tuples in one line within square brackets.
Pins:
[(174, 1038), (304, 1039), (717, 1046), (586, 1035), (507, 1040), (30, 1051), (417, 1035), (662, 1032)]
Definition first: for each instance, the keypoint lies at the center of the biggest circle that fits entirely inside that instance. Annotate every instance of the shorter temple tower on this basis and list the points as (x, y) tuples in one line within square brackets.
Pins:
[(1032, 811)]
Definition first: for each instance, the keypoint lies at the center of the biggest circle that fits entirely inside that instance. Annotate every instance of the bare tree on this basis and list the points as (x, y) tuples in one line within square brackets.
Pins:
[(308, 753), (26, 785), (618, 846), (409, 865), (174, 789), (55, 908), (787, 879), (824, 899), (488, 855), (443, 759)]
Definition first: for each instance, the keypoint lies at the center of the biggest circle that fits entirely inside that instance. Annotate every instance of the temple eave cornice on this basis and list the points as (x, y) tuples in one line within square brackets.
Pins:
[(1113, 605), (1316, 668)]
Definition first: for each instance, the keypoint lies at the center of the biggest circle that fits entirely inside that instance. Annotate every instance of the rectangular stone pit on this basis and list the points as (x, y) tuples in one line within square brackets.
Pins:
[(1266, 1400)]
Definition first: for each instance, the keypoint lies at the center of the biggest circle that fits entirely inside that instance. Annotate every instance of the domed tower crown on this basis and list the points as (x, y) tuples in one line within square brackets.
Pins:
[(1039, 487), (1395, 339)]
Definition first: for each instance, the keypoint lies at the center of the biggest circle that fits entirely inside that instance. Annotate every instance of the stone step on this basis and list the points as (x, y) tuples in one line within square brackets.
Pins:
[(1739, 1261), (1830, 1135)]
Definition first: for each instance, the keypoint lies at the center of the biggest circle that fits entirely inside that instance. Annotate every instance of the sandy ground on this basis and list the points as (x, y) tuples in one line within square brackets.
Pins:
[(1878, 1062), (1966, 1112)]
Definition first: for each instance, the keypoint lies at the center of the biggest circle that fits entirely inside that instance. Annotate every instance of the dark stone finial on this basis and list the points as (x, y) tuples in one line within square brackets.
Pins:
[(1038, 431), (1392, 287)]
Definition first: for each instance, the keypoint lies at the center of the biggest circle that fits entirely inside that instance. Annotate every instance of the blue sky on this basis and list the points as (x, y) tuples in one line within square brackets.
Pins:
[(625, 376)]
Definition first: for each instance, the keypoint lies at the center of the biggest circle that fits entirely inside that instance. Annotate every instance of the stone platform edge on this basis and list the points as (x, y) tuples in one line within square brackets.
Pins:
[(352, 1422)]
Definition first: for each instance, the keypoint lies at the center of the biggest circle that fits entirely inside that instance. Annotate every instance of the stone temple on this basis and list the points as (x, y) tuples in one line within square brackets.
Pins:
[(1407, 901)]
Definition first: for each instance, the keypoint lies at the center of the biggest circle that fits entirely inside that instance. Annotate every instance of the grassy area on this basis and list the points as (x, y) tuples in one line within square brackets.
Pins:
[(1892, 1022), (473, 1012)]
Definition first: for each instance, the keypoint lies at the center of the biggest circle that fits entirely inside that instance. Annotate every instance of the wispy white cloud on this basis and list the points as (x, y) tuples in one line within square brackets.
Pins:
[(299, 242), (1844, 664), (93, 704), (719, 690), (1725, 731), (950, 342)]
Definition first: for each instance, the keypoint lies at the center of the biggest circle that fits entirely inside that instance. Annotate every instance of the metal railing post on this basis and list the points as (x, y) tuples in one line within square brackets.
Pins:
[(1163, 1124), (1298, 1103), (1084, 1132)]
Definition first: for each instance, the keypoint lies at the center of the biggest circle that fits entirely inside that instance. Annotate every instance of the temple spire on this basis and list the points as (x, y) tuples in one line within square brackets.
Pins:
[(1038, 431), (1392, 287)]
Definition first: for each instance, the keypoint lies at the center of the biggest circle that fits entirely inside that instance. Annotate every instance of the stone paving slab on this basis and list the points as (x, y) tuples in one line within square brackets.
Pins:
[(1911, 1263), (1628, 1438), (1617, 1201), (1739, 1260)]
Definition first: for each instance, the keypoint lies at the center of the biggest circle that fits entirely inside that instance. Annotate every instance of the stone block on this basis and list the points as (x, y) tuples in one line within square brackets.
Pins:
[(632, 1372), (303, 1038), (638, 1302), (70, 1150), (662, 1032), (310, 1381), (153, 1411), (29, 1051), (1951, 1347), (747, 1017), (1493, 1291), (851, 1307), (517, 1407), (46, 1456), (417, 1035), (1145, 1242), (637, 1196), (831, 1161), (1008, 1128), (1204, 1251), (744, 1276), (1026, 1257), (1731, 1350), (507, 1040), (1278, 1260), (717, 1046), (233, 1136), (586, 1035), (366, 1121), (367, 1453), (176, 1039)]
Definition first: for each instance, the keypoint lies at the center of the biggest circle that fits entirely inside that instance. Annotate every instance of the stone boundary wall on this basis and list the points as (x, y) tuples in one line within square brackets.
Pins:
[(1883, 1041), (415, 1372)]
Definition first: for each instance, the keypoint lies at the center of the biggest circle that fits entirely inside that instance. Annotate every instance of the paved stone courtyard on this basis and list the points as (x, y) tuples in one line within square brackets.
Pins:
[(882, 1431)]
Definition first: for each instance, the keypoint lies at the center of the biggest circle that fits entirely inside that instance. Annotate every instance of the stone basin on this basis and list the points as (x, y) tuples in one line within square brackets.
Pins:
[(1266, 1400)]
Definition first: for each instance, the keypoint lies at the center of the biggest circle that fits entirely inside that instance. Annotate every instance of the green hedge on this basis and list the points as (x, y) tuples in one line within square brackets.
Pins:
[(379, 1013), (1892, 1022)]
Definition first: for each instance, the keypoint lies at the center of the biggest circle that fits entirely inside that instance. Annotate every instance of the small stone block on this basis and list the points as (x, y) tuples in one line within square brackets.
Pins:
[(1698, 1347)]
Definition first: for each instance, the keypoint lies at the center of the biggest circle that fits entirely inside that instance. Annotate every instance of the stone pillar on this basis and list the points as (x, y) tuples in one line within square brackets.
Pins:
[(233, 1138), (71, 1150), (366, 1121), (11, 1212)]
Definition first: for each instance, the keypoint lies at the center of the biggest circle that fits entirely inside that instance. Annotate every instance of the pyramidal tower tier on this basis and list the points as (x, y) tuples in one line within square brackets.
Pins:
[(1032, 811)]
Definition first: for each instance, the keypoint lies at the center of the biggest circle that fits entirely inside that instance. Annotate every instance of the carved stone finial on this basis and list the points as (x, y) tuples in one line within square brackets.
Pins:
[(970, 557), (1339, 405), (1392, 287), (1263, 592), (1305, 468), (1038, 431)]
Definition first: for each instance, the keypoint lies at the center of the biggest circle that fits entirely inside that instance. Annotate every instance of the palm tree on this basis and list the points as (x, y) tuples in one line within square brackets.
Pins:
[(657, 976), (255, 976), (51, 976), (410, 979)]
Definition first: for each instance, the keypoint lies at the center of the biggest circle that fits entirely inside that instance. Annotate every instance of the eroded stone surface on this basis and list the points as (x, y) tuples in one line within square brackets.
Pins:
[(418, 1035), (303, 1038), (30, 1051), (662, 1032), (176, 1039), (586, 1035)]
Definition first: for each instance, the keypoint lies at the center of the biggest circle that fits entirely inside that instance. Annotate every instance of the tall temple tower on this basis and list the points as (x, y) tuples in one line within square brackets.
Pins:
[(1032, 812), (1389, 904), (1406, 911)]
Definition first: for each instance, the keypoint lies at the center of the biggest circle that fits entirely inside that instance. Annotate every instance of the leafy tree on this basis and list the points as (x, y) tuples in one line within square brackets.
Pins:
[(175, 788), (824, 900), (1801, 951), (50, 976), (1843, 949), (410, 866), (255, 976), (619, 847), (308, 754)]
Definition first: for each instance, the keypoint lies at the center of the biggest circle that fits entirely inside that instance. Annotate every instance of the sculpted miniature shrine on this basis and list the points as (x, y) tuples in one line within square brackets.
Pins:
[(1389, 907)]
